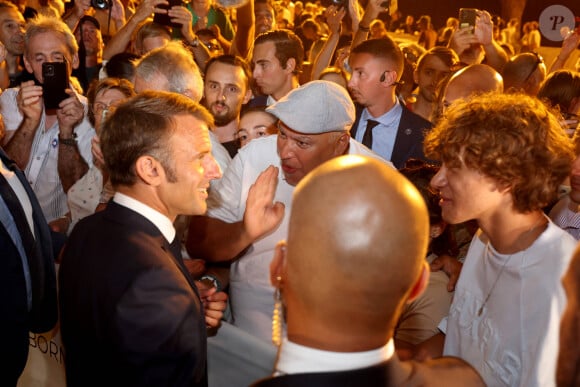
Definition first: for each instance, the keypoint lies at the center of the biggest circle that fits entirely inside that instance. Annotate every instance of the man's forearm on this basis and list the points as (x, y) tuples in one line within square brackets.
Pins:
[(495, 56), (214, 240), (119, 42), (19, 145), (71, 165)]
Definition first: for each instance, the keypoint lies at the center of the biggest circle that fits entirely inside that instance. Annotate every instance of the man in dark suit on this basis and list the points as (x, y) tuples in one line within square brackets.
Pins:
[(383, 123), (131, 315), (27, 277), (342, 295)]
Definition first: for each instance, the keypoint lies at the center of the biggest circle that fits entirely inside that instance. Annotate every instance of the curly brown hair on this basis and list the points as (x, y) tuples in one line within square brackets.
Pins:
[(512, 138)]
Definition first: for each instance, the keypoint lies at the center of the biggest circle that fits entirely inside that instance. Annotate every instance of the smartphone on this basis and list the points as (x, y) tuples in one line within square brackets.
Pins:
[(467, 17), (163, 18), (55, 81)]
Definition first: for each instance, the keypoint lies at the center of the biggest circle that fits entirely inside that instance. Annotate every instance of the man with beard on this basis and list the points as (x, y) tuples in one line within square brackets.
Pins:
[(226, 89), (12, 37), (383, 123), (432, 67)]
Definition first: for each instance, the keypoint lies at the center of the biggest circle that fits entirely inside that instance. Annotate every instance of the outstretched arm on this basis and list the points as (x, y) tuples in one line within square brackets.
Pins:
[(120, 41), (371, 12), (215, 240), (334, 18), (570, 43), (244, 37)]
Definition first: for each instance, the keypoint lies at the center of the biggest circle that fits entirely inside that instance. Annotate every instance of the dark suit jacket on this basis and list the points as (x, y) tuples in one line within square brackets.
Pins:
[(410, 134), (130, 313), (444, 372), (16, 320)]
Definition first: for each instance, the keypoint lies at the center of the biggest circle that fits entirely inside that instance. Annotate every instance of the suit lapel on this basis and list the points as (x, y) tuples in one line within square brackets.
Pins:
[(132, 219)]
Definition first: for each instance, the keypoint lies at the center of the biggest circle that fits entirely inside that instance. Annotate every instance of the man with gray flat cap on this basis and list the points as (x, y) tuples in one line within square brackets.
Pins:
[(251, 202)]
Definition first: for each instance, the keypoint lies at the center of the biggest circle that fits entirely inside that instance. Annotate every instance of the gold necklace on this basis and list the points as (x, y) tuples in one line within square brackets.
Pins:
[(487, 258)]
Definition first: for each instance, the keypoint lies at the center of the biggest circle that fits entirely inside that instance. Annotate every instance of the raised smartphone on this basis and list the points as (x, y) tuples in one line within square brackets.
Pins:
[(467, 17), (55, 82), (163, 18)]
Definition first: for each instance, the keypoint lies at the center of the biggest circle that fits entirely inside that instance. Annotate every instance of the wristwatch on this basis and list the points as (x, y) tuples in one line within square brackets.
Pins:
[(211, 281), (194, 43)]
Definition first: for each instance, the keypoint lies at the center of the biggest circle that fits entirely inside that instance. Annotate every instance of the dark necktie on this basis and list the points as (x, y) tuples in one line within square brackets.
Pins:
[(368, 136), (19, 217)]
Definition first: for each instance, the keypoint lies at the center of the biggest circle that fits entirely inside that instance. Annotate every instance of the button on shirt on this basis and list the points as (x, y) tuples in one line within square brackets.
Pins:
[(42, 168), (385, 133)]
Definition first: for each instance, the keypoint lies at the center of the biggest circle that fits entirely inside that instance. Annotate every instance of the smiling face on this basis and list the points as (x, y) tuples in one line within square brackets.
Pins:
[(301, 153), (192, 167)]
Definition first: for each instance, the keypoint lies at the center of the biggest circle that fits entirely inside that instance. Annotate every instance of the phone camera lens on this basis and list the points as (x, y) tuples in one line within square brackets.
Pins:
[(101, 4)]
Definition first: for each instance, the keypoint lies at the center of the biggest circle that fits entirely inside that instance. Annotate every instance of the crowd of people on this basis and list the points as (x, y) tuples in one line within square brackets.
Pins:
[(376, 211)]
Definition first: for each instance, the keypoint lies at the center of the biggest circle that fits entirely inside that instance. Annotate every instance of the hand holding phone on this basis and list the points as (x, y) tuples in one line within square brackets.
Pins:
[(467, 17), (163, 18), (55, 81)]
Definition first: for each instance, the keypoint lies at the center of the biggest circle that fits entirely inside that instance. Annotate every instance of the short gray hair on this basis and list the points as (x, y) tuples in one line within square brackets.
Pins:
[(176, 64)]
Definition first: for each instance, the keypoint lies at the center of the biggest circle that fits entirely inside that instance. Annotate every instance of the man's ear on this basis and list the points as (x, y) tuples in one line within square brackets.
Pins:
[(75, 61), (248, 96), (341, 144), (420, 284), (27, 64), (290, 65), (389, 78), (149, 170), (278, 263)]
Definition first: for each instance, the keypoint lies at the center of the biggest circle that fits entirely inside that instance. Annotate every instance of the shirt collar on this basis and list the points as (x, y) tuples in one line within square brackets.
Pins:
[(160, 221), (388, 118), (295, 358)]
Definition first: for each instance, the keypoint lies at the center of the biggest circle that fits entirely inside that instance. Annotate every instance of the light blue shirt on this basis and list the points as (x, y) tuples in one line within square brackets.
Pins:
[(385, 133)]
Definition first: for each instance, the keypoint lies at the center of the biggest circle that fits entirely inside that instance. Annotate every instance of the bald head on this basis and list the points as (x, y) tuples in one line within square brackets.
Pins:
[(524, 73), (471, 80), (357, 241)]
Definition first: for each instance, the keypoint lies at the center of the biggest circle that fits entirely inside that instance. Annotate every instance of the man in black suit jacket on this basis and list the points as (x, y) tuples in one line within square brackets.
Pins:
[(344, 286), (27, 277), (377, 66), (131, 315)]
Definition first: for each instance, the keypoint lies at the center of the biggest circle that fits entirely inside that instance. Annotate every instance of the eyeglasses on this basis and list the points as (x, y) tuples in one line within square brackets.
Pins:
[(539, 61)]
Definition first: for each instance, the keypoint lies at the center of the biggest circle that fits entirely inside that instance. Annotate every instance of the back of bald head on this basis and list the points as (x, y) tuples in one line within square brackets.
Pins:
[(357, 241), (474, 79), (518, 70)]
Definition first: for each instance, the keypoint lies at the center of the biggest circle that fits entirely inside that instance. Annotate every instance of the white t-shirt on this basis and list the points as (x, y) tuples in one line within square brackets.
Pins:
[(251, 295), (515, 340)]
